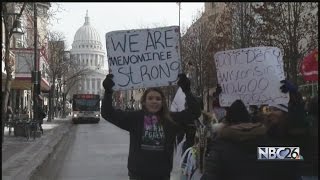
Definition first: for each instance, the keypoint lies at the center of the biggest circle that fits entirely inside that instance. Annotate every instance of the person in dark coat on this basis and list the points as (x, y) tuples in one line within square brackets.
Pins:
[(189, 131), (152, 129), (233, 152), (288, 127), (41, 113)]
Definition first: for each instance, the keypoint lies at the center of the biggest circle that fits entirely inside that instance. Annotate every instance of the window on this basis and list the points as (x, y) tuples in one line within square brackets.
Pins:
[(91, 62)]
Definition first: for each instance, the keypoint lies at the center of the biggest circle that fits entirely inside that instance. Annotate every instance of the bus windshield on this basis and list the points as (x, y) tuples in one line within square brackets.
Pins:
[(86, 104)]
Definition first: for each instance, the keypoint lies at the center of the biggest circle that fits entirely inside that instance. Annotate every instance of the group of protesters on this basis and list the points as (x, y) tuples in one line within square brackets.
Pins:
[(227, 139), (237, 131), (232, 153)]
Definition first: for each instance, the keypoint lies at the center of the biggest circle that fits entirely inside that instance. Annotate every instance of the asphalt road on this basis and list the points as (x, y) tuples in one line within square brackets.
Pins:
[(89, 152)]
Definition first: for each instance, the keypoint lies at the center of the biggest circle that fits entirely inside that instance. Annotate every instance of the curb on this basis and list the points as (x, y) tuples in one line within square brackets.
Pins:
[(25, 163)]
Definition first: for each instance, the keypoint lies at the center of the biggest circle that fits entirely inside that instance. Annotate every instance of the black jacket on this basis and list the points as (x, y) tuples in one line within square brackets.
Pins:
[(41, 114), (233, 156), (142, 161)]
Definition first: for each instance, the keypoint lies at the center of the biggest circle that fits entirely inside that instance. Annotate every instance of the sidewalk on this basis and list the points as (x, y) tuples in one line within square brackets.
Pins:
[(21, 157)]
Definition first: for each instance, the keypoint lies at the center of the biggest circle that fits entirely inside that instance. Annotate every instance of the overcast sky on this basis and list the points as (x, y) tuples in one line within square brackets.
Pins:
[(105, 17)]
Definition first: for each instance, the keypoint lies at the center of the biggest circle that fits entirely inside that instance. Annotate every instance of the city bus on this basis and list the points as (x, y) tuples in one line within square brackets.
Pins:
[(86, 108)]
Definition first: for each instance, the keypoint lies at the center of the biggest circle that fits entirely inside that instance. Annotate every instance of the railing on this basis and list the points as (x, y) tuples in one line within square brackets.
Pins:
[(22, 126), (14, 121)]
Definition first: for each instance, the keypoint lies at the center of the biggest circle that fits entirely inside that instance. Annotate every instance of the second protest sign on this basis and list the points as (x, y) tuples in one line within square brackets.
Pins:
[(252, 75), (144, 57)]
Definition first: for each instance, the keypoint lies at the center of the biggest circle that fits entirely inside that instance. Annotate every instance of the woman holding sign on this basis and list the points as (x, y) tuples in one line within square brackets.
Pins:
[(152, 129)]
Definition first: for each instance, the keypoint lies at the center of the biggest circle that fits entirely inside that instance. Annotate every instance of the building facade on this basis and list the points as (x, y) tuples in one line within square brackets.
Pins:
[(22, 55)]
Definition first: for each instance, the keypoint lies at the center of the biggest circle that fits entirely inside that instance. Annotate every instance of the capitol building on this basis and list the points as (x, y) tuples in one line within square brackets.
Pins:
[(88, 52)]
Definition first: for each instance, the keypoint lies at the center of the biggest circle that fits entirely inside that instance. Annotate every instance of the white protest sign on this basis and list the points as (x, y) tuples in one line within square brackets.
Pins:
[(144, 57), (179, 101), (252, 75)]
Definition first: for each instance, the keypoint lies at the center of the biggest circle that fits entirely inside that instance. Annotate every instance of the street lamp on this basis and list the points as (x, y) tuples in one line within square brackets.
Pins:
[(17, 31)]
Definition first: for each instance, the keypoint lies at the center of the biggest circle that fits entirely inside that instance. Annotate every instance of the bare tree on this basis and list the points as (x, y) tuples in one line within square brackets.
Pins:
[(61, 67), (198, 45), (235, 26), (72, 72), (291, 26), (55, 59), (9, 64), (229, 25)]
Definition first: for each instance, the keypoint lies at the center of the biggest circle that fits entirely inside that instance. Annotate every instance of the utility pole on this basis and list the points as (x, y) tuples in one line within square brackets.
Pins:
[(36, 73)]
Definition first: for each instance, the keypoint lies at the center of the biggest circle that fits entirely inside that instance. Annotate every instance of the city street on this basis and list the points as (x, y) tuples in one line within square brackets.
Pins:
[(89, 151)]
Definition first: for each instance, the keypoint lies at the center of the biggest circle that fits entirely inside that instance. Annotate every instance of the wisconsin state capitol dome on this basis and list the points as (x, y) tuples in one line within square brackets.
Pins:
[(88, 53), (87, 48), (87, 37)]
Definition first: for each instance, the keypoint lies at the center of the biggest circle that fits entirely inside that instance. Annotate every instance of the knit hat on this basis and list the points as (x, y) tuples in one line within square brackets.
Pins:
[(282, 107)]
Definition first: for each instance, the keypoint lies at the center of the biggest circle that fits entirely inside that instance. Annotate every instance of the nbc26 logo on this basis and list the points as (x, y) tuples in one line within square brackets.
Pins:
[(279, 153)]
